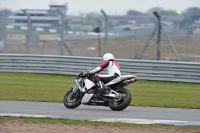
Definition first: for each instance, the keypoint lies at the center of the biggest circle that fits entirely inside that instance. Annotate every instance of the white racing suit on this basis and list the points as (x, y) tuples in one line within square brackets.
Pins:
[(113, 74)]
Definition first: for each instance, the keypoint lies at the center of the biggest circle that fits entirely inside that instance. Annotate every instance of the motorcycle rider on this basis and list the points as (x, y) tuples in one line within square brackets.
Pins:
[(113, 73)]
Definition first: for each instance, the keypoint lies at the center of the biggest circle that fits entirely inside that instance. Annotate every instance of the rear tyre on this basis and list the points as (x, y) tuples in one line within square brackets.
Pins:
[(123, 102), (72, 100)]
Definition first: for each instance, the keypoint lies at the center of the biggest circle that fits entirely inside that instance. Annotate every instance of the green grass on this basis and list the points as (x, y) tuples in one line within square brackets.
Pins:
[(52, 88), (102, 124)]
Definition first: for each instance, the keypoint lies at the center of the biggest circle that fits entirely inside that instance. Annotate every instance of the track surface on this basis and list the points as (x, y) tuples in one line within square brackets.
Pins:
[(57, 110)]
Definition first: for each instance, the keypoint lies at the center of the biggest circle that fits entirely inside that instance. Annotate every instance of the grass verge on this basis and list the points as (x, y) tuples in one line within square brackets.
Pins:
[(92, 123), (52, 88)]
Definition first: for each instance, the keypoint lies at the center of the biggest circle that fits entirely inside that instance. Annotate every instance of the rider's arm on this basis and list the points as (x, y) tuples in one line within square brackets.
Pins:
[(102, 66)]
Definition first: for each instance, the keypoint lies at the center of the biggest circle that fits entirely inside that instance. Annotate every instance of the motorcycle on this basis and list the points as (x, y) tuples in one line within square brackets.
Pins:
[(115, 96)]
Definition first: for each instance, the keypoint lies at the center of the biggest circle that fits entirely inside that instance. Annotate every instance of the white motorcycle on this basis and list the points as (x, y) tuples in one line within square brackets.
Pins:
[(116, 97)]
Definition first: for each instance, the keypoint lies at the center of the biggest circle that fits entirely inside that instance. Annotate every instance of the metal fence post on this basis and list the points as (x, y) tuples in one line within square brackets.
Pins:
[(28, 31), (62, 30), (157, 31), (158, 35), (2, 37), (106, 31)]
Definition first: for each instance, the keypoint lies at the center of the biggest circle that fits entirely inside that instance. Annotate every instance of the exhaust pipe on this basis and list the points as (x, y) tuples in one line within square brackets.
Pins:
[(128, 81)]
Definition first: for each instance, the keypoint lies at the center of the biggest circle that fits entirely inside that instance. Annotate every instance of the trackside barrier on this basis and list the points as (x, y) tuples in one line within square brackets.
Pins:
[(73, 65)]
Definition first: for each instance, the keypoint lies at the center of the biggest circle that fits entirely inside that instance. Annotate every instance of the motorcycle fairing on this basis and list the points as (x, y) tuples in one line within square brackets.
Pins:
[(86, 98), (88, 84)]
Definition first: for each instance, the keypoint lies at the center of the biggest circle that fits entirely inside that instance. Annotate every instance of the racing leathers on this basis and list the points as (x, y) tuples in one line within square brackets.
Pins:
[(112, 77)]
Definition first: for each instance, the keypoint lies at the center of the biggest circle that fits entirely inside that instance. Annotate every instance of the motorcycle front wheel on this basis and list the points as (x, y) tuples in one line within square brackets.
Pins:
[(123, 101), (72, 100)]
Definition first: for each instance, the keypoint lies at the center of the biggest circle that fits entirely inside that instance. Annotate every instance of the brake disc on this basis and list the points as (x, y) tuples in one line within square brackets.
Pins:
[(70, 98)]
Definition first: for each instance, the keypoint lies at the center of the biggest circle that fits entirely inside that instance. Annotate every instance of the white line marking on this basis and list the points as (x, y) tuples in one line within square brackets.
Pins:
[(150, 121), (122, 120)]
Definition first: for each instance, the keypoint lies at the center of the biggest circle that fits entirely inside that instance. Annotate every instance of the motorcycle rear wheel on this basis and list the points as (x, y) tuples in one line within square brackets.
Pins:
[(118, 105)]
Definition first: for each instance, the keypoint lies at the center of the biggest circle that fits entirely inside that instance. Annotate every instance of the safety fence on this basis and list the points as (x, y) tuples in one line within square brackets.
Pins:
[(73, 65)]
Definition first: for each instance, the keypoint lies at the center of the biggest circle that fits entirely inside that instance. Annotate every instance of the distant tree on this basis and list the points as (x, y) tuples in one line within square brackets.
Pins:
[(169, 12), (5, 12), (190, 12), (93, 14), (134, 12), (162, 11), (91, 18), (190, 15)]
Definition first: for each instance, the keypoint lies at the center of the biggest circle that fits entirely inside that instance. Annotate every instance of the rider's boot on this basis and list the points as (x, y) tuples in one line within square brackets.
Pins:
[(101, 90)]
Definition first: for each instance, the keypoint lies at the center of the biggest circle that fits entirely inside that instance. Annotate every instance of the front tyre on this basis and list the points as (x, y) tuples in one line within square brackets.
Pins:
[(72, 100), (123, 102)]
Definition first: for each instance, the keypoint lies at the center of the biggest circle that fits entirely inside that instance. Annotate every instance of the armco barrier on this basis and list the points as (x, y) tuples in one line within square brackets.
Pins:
[(73, 65)]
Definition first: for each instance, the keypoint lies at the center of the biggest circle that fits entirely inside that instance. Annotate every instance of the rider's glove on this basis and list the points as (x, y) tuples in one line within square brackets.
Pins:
[(86, 74)]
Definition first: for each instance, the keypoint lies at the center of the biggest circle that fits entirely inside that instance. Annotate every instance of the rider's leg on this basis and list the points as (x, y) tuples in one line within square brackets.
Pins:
[(114, 81), (107, 80), (100, 85)]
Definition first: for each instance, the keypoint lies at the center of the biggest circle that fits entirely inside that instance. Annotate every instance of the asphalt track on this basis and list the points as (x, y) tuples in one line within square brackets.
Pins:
[(138, 115)]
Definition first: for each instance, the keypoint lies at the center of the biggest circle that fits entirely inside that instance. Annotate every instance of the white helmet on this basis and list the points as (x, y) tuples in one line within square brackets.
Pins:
[(108, 56)]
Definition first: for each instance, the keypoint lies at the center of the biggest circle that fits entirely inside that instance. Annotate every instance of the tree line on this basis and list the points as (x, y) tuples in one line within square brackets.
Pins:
[(188, 13)]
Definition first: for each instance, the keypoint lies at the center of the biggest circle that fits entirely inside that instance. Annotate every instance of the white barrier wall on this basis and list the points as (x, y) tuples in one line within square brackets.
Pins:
[(73, 65)]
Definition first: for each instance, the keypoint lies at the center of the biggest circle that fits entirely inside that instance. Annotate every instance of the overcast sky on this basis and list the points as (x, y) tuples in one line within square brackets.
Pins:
[(110, 6)]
